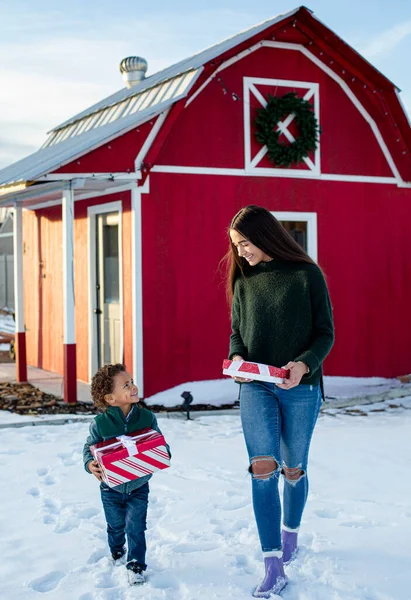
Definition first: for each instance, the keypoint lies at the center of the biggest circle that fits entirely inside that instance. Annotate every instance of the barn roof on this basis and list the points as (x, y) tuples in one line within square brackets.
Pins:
[(129, 108), (122, 111)]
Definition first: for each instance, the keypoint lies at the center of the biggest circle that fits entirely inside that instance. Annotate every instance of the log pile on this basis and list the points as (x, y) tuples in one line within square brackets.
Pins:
[(25, 399)]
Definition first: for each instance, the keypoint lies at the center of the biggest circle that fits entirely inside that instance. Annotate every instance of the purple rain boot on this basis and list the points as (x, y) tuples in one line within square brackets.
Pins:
[(289, 544), (275, 579)]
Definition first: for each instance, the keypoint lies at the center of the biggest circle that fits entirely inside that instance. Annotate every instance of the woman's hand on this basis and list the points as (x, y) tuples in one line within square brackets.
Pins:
[(95, 469), (297, 370), (240, 379)]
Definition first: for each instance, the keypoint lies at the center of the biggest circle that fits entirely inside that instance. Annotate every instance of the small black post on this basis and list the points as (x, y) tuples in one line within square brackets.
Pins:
[(188, 398)]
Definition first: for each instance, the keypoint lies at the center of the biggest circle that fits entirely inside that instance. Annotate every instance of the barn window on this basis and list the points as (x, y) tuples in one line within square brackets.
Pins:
[(303, 228)]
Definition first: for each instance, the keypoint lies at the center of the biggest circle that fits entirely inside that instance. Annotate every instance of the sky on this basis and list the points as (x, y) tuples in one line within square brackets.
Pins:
[(58, 58)]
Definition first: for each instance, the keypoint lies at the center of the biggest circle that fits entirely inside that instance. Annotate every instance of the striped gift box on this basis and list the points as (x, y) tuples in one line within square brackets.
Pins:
[(255, 371), (131, 456)]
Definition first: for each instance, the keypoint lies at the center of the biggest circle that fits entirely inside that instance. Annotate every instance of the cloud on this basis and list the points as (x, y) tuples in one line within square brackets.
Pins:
[(48, 74), (386, 41)]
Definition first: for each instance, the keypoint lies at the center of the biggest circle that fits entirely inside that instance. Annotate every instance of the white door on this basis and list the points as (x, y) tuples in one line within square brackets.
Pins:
[(108, 307)]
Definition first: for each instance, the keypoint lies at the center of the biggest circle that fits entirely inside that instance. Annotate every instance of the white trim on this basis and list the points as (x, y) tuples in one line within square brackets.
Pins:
[(97, 176), (137, 285), (18, 269), (4, 235), (328, 71), (149, 140), (249, 83), (273, 554), (92, 212), (296, 530), (85, 196), (285, 173), (312, 230), (67, 207)]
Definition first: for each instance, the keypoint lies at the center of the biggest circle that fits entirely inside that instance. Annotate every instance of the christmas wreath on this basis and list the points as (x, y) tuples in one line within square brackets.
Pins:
[(284, 155)]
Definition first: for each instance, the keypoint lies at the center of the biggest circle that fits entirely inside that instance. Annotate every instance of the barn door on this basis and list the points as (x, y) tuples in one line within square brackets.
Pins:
[(108, 308)]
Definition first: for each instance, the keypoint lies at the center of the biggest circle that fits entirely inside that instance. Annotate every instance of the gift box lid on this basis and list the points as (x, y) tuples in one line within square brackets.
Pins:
[(125, 445), (245, 367)]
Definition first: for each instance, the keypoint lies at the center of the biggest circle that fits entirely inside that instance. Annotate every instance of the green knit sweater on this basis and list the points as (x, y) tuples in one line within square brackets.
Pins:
[(282, 312)]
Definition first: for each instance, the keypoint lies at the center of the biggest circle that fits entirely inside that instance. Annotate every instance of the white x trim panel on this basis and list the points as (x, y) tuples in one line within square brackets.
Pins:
[(250, 89)]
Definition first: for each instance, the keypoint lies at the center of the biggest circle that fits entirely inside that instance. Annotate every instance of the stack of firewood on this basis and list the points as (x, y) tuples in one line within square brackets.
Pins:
[(25, 399)]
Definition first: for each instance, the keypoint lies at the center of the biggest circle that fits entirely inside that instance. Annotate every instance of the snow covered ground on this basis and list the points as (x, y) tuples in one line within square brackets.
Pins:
[(202, 540), (225, 391)]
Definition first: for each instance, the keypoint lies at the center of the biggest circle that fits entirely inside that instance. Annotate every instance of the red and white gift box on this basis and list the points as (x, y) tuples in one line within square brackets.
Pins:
[(131, 456), (255, 371)]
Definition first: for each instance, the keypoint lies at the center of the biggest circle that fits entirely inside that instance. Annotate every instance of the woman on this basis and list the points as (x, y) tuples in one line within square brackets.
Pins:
[(281, 316)]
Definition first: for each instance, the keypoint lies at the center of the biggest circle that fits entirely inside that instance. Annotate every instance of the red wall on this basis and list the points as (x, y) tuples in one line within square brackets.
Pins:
[(210, 131), (364, 249)]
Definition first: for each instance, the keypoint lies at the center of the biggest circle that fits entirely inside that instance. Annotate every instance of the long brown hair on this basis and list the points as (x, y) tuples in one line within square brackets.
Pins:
[(263, 230)]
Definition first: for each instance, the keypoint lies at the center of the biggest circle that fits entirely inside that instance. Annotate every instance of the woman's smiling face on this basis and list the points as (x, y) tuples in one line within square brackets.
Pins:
[(247, 250)]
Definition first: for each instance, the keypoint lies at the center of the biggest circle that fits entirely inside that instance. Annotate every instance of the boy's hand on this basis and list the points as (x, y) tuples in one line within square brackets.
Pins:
[(95, 469)]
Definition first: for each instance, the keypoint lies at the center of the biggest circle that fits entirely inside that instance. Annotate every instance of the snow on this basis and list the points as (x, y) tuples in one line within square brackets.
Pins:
[(202, 539), (225, 391)]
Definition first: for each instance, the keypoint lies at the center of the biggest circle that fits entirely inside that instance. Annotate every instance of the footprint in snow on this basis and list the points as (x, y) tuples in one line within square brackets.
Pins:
[(327, 513), (66, 525), (42, 471), (49, 480), (97, 556), (68, 459), (87, 513), (47, 582), (164, 581), (186, 548), (35, 492), (358, 524), (50, 506), (104, 580)]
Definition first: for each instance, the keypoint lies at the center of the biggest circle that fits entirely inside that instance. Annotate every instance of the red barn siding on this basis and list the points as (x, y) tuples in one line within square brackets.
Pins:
[(186, 321), (117, 155), (348, 144)]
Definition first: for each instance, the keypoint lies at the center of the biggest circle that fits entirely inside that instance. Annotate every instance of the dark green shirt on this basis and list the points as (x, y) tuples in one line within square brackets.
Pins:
[(282, 312)]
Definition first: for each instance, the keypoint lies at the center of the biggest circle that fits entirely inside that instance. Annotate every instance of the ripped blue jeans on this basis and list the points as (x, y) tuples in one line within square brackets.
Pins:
[(278, 425)]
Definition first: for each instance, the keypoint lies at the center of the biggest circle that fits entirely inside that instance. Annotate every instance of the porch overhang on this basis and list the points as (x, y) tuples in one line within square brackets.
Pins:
[(32, 195)]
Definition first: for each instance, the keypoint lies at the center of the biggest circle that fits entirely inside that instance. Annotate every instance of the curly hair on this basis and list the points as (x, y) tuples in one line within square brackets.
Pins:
[(103, 384)]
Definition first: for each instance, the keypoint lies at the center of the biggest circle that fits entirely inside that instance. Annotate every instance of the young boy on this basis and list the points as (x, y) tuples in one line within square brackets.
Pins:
[(125, 506)]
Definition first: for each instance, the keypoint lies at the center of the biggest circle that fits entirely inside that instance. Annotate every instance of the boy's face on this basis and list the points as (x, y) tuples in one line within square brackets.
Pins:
[(124, 392)]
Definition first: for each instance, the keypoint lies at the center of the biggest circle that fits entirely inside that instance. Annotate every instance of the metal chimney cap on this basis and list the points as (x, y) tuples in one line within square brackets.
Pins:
[(133, 69)]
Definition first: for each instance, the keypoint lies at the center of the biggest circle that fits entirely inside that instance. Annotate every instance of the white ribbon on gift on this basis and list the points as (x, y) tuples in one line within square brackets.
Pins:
[(129, 444)]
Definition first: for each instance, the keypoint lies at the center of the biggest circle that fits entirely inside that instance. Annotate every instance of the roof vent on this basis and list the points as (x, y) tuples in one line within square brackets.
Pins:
[(133, 69)]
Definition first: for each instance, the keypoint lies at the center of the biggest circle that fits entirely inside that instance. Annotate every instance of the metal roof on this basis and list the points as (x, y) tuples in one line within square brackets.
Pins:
[(49, 159), (188, 64), (122, 111), (168, 91)]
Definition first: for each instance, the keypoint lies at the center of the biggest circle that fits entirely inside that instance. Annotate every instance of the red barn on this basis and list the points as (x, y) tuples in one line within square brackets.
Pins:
[(121, 217)]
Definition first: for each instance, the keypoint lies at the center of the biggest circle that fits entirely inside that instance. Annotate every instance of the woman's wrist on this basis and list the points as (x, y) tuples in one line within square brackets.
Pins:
[(306, 367)]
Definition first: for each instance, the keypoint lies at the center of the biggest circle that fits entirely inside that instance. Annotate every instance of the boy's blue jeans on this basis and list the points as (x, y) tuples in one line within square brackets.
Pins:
[(126, 514), (278, 424)]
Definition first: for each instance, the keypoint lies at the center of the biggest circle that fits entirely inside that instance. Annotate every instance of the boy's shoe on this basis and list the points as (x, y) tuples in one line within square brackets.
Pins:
[(118, 554), (275, 579), (135, 573), (290, 545)]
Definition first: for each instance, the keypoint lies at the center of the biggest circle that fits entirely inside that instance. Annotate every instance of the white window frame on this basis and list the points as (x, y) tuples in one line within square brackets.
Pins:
[(92, 212), (312, 232)]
